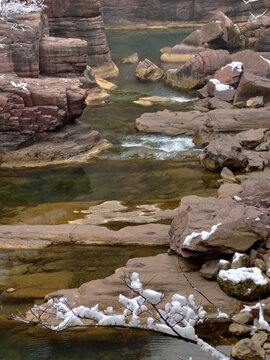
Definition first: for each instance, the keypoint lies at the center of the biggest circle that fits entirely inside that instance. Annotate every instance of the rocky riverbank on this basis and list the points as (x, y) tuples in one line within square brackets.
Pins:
[(44, 83)]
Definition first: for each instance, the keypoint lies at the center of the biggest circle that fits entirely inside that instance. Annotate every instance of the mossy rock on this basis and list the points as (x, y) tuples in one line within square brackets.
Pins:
[(246, 290)]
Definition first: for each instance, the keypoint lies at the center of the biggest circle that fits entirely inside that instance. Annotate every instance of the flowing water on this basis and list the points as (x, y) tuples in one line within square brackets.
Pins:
[(139, 168)]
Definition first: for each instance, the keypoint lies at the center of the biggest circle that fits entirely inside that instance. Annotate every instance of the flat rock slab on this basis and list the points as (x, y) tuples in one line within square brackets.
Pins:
[(160, 273), (38, 236), (115, 211), (223, 120)]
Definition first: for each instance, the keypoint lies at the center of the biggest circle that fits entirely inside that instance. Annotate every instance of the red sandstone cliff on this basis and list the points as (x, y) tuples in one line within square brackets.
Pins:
[(124, 12), (82, 19)]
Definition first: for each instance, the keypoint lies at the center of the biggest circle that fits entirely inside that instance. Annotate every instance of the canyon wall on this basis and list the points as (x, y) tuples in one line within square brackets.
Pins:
[(126, 12), (82, 19)]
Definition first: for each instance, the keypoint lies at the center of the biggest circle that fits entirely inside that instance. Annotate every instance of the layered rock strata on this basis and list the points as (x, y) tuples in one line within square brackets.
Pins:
[(32, 105), (82, 19), (129, 12)]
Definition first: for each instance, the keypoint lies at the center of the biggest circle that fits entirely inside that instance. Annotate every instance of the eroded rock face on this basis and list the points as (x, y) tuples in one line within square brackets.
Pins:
[(59, 55), (36, 105), (82, 19), (192, 74), (20, 41), (238, 229), (136, 11)]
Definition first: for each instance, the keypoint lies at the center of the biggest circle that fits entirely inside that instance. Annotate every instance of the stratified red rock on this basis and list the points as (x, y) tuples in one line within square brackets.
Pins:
[(128, 12), (19, 46), (82, 19), (238, 224), (35, 105), (192, 74), (58, 55)]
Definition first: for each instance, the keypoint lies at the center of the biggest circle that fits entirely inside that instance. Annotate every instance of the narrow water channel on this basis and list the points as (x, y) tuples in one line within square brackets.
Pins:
[(139, 168)]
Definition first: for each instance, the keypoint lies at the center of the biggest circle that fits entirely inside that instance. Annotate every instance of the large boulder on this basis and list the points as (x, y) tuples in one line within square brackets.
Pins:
[(193, 39), (263, 43), (220, 33), (148, 71), (252, 63), (193, 73), (226, 151), (211, 226), (252, 85)]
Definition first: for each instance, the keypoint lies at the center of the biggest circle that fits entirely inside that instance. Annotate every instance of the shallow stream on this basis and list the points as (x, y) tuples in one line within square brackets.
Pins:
[(139, 168)]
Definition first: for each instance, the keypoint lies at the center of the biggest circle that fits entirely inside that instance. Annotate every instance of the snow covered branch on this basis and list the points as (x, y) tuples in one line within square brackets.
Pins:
[(177, 318)]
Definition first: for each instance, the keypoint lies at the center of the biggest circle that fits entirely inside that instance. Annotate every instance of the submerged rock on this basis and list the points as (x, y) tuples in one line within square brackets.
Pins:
[(131, 59), (180, 53)]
